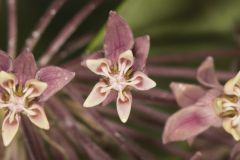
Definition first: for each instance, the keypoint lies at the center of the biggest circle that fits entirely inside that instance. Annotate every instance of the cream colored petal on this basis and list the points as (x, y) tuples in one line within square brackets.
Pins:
[(10, 127), (5, 78), (124, 103), (98, 94), (234, 131), (98, 65), (218, 105), (125, 61), (141, 81), (35, 87), (231, 84), (38, 117), (224, 107)]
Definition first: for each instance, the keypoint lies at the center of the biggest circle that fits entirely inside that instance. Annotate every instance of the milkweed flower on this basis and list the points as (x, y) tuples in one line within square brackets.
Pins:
[(197, 102), (23, 89), (121, 68), (202, 108)]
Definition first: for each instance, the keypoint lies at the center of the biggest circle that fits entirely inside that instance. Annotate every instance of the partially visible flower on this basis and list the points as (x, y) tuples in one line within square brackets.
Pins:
[(23, 88), (228, 107), (122, 67), (197, 113)]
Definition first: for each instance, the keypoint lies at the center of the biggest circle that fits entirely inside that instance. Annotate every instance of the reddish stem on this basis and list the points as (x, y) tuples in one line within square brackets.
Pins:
[(34, 144), (12, 26), (42, 24), (184, 57), (74, 45), (67, 31), (74, 133), (149, 140), (125, 144), (174, 72)]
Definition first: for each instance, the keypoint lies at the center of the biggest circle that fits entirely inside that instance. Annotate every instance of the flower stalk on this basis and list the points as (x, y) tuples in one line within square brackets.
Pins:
[(42, 24), (67, 31), (12, 27)]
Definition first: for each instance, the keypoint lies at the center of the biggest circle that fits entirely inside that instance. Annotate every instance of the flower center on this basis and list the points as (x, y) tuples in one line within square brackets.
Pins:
[(228, 106), (16, 104), (228, 109), (17, 99), (117, 82)]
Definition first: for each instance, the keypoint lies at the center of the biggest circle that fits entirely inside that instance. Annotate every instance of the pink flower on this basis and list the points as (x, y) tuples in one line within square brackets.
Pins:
[(121, 68), (197, 113), (23, 89)]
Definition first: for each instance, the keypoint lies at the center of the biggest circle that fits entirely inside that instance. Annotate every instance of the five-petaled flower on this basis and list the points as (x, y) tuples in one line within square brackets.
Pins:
[(23, 89), (122, 67)]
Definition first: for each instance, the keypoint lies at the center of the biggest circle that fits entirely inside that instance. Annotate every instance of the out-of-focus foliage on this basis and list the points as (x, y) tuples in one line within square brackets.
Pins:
[(185, 25)]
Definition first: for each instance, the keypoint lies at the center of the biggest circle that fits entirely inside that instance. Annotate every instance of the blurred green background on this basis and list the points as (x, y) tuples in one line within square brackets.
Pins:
[(174, 25)]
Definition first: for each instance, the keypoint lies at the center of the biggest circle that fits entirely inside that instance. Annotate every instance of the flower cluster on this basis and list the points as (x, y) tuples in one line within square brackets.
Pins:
[(121, 65), (24, 88)]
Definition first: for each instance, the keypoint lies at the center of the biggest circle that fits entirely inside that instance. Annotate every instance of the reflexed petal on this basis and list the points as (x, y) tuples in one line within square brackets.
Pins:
[(141, 81), (37, 86), (140, 50), (118, 37), (208, 101), (125, 61), (10, 127), (186, 94), (206, 74), (25, 67), (38, 116), (5, 62), (231, 84), (55, 77), (124, 105), (97, 66), (98, 94), (6, 78), (187, 123)]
